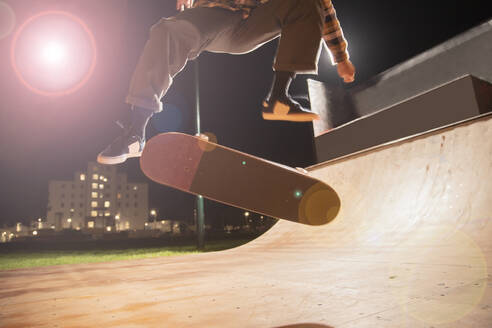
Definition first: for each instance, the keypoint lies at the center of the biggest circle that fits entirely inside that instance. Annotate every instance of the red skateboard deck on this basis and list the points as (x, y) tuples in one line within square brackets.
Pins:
[(228, 176)]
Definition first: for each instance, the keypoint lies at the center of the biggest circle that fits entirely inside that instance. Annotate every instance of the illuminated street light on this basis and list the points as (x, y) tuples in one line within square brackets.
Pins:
[(35, 233), (54, 52), (153, 214)]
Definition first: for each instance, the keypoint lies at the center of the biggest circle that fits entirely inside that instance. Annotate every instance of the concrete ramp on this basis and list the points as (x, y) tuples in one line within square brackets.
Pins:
[(411, 247)]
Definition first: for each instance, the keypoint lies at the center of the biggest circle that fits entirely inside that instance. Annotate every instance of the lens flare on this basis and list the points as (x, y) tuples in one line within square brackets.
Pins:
[(53, 53), (446, 298), (210, 145), (7, 20)]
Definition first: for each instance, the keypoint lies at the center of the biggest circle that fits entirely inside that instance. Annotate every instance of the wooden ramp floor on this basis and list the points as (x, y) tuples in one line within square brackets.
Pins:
[(410, 248)]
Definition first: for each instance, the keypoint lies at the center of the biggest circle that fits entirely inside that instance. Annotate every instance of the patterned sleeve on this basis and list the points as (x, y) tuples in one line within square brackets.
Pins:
[(333, 35)]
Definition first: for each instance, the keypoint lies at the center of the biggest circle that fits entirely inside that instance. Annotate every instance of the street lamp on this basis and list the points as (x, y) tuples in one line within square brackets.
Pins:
[(246, 216), (153, 214)]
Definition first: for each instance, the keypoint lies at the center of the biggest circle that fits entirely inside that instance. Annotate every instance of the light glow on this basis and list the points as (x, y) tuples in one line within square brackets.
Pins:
[(53, 53), (7, 20)]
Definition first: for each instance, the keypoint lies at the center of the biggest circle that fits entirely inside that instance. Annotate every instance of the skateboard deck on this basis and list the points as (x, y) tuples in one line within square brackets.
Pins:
[(197, 166)]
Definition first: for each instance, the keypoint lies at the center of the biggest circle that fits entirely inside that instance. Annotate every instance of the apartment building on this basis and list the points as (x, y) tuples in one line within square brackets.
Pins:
[(99, 198)]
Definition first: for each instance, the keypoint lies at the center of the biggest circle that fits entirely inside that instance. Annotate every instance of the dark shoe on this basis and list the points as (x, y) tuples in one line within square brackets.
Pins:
[(128, 145), (286, 109)]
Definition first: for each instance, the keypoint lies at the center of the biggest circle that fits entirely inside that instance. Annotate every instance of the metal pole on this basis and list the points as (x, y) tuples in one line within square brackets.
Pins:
[(200, 222)]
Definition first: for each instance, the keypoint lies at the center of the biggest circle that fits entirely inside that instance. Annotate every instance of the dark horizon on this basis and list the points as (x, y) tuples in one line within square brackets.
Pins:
[(50, 138)]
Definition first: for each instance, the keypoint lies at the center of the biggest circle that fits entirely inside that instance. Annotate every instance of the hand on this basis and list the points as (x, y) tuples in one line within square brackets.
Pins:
[(183, 4), (346, 70)]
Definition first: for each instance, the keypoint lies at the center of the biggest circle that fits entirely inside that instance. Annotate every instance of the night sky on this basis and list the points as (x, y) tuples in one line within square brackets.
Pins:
[(46, 138)]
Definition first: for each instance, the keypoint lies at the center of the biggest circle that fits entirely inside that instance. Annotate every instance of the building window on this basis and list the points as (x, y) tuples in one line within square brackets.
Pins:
[(73, 186), (95, 176), (136, 204), (135, 187), (90, 224), (106, 204), (94, 185), (82, 177), (93, 204), (118, 195), (127, 196), (118, 204), (93, 214), (107, 213), (81, 205), (94, 194), (101, 213), (101, 186), (62, 205), (101, 178)]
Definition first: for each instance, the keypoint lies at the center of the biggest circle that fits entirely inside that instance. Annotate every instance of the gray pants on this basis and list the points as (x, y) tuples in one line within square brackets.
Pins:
[(173, 41)]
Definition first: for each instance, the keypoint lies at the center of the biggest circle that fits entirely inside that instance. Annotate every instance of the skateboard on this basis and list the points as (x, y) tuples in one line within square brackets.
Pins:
[(200, 167)]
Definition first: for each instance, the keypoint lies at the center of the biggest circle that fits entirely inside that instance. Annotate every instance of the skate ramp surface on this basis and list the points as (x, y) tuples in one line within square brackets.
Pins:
[(411, 247)]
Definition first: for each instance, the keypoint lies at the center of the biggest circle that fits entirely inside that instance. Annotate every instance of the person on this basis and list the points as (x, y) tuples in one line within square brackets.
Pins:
[(234, 27)]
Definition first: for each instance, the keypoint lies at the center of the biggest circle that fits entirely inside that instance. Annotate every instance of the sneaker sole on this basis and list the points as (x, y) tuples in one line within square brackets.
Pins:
[(281, 113), (117, 159)]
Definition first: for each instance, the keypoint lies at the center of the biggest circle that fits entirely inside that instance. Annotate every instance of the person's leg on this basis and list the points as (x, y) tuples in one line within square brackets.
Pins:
[(299, 23), (172, 42)]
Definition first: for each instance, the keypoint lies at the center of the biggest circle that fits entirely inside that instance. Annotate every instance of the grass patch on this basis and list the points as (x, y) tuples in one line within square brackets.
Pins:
[(30, 259)]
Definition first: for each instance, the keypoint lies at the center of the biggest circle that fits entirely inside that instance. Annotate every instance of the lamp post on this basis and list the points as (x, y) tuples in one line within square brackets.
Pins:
[(200, 222)]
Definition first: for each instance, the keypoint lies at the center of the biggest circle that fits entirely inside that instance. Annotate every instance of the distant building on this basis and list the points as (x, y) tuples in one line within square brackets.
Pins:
[(98, 199)]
